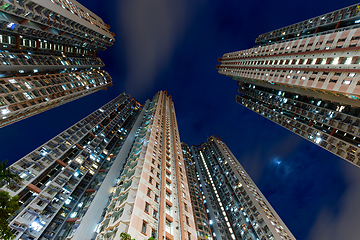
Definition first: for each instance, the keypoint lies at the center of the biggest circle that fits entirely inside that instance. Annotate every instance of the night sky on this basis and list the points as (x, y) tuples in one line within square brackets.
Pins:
[(174, 46)]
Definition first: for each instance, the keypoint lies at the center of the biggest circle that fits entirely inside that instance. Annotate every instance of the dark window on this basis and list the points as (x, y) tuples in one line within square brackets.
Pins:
[(144, 226), (147, 207)]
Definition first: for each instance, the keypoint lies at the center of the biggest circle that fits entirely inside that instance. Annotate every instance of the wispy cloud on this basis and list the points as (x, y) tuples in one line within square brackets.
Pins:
[(151, 31)]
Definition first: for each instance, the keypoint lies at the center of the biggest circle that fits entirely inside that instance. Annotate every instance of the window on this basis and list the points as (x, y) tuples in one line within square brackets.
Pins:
[(334, 61), (149, 192), (168, 196), (168, 226), (150, 180), (40, 203), (156, 198), (153, 233), (187, 220), (147, 207), (346, 60), (185, 206), (152, 170), (144, 226), (189, 236), (157, 185), (155, 214), (168, 209)]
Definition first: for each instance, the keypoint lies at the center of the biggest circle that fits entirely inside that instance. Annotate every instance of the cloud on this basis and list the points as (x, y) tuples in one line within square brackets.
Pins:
[(151, 31), (344, 223)]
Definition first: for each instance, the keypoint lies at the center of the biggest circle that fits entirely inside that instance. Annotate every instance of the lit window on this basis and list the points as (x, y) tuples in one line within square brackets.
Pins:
[(37, 226), (335, 61), (348, 60), (351, 74)]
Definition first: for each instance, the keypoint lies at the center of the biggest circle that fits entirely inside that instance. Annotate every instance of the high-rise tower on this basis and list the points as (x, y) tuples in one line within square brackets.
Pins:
[(120, 169), (48, 57), (61, 177), (202, 224), (151, 196), (306, 78), (236, 208)]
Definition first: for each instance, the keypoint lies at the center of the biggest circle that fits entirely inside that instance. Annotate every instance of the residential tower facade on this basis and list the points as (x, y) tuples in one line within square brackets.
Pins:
[(202, 223), (305, 77), (120, 169), (48, 52), (236, 207), (151, 198)]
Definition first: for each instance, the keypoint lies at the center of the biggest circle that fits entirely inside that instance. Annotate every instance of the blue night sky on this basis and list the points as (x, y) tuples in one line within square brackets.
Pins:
[(174, 46)]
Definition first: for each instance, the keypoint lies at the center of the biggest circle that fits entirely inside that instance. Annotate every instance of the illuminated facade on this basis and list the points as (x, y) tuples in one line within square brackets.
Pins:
[(62, 177), (152, 196), (306, 78), (196, 194), (48, 57), (120, 169), (236, 208)]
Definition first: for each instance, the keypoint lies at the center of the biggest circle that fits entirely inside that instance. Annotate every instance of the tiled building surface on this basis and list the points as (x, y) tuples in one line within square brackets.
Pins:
[(48, 56), (237, 208), (305, 77)]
